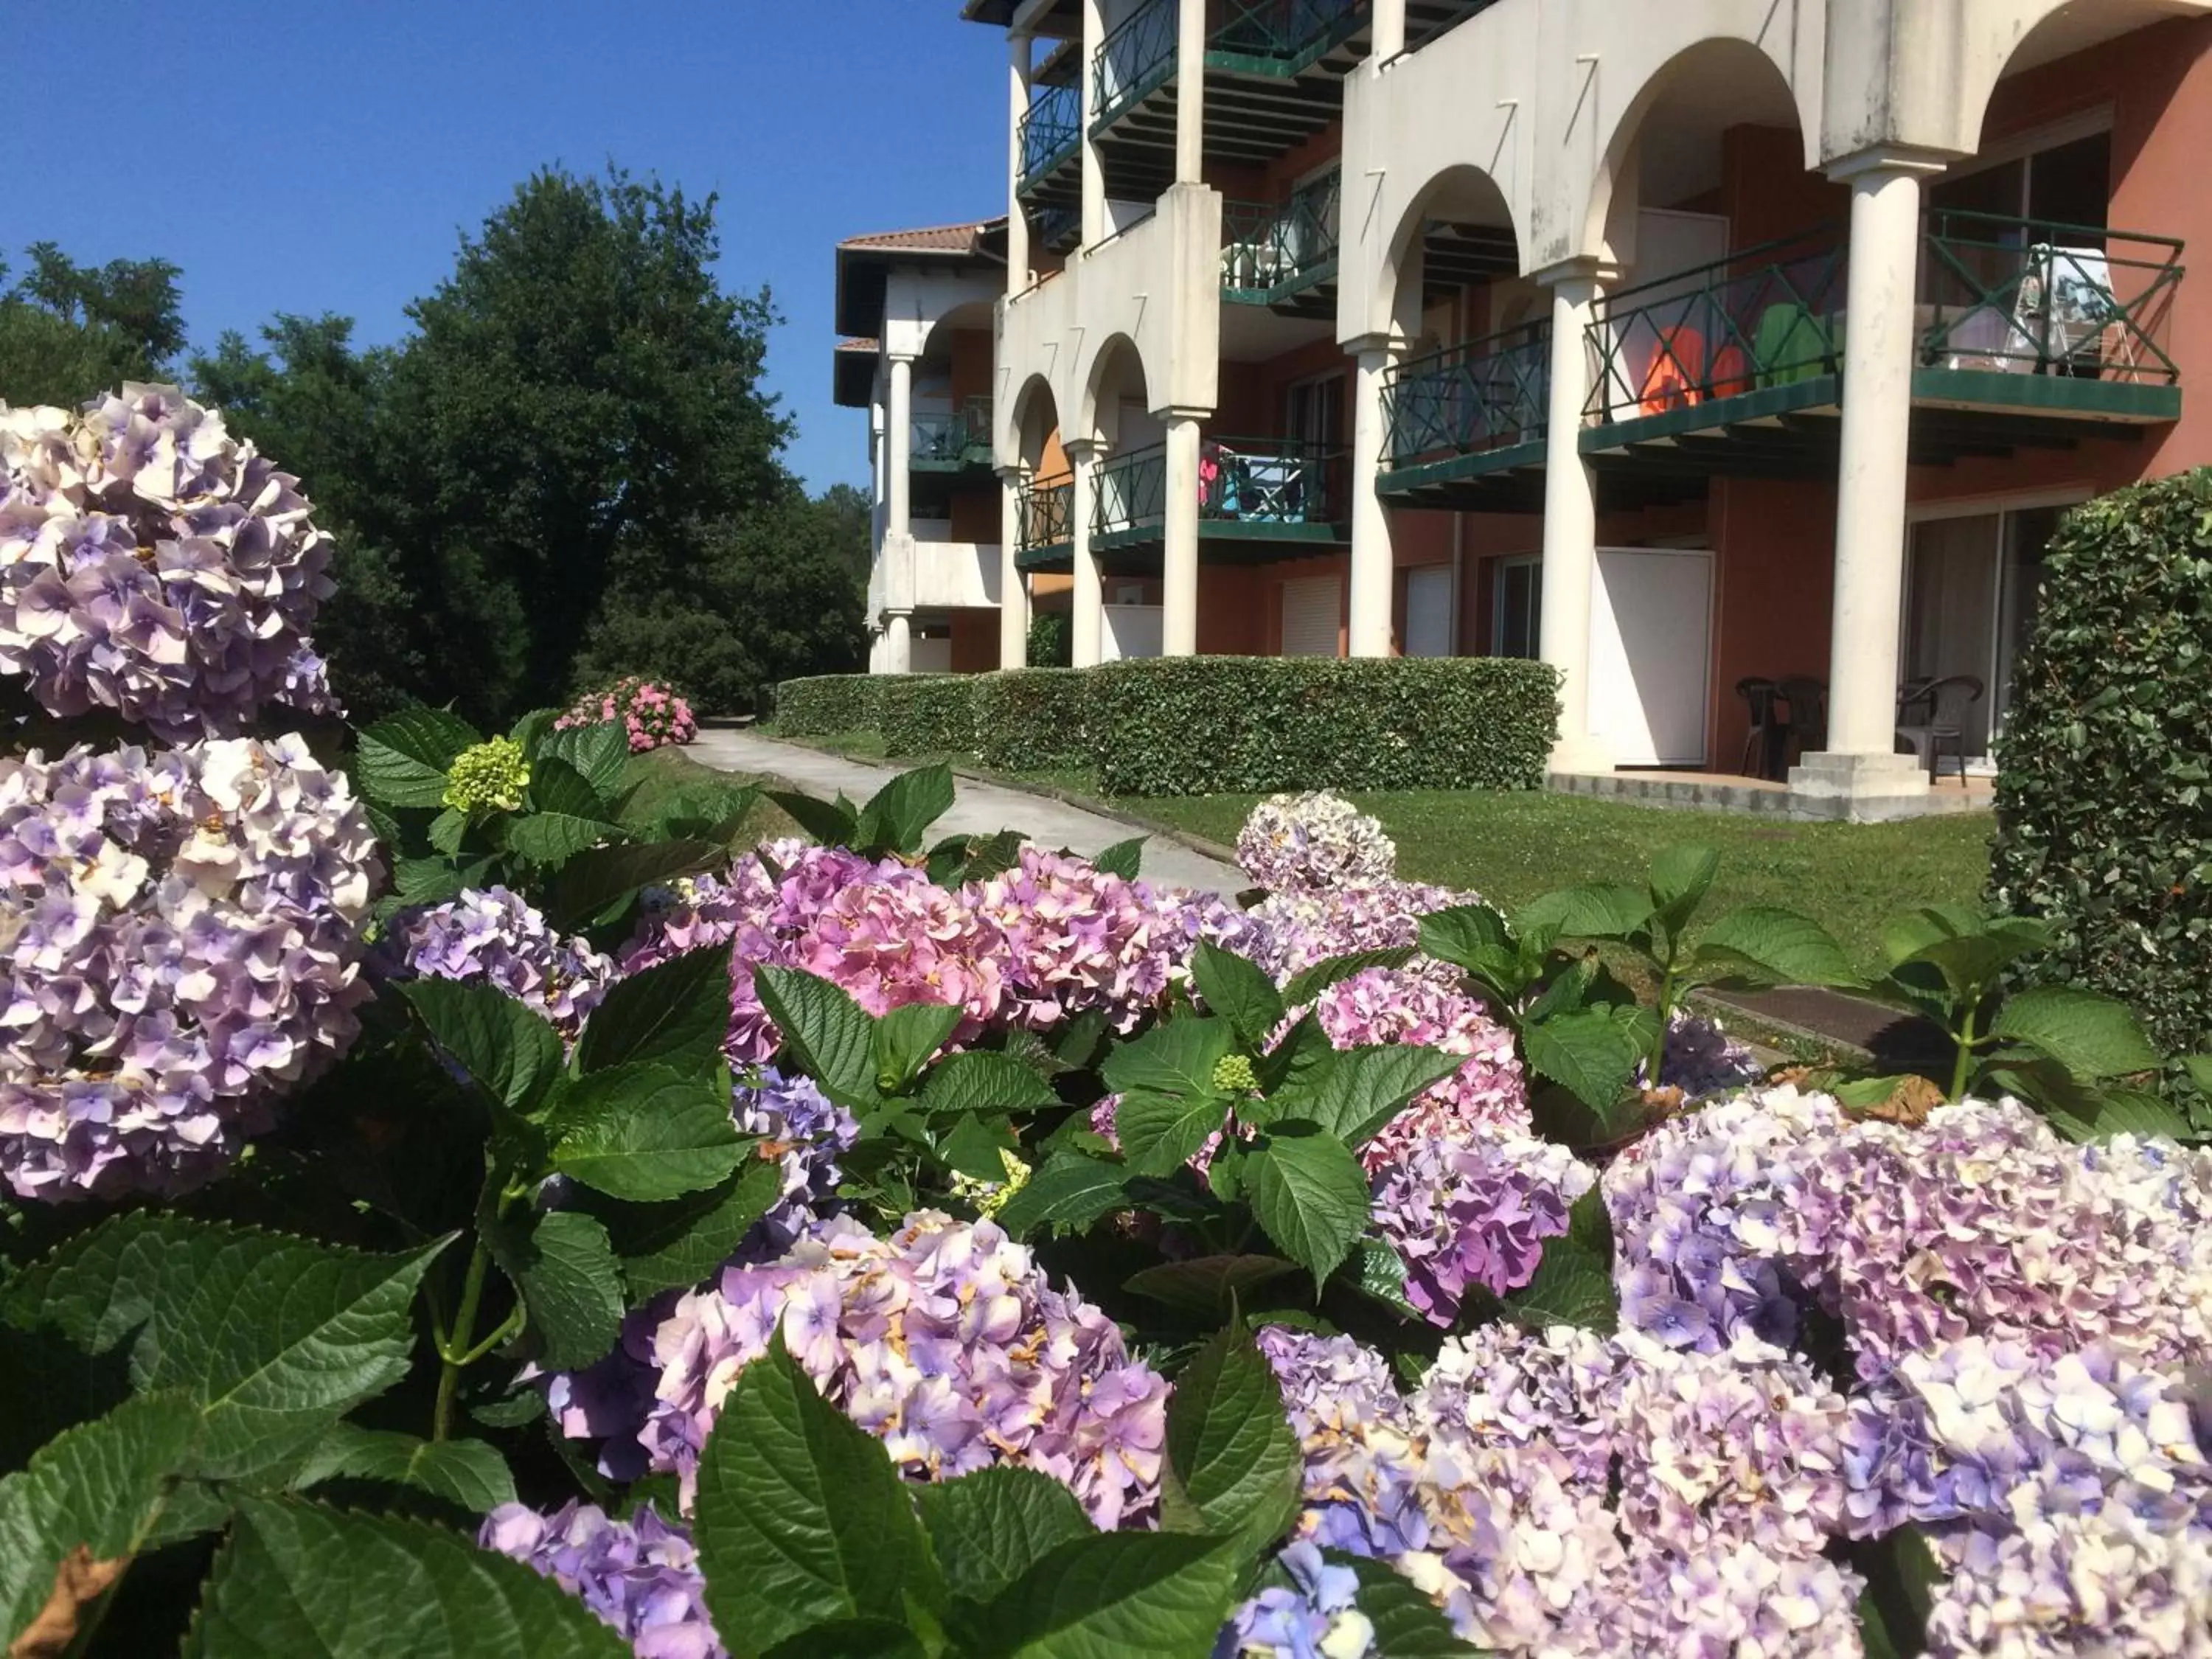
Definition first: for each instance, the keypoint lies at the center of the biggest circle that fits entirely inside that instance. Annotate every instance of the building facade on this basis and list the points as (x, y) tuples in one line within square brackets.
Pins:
[(1735, 357)]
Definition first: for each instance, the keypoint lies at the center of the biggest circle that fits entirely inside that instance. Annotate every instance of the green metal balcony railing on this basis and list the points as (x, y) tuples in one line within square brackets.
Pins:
[(1244, 480), (1051, 131), (1469, 399), (1257, 37), (1047, 509), (1271, 251), (1135, 59), (949, 440), (1998, 295)]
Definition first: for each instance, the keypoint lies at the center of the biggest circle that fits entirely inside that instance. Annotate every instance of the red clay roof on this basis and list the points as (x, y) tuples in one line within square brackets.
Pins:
[(932, 238), (870, 347)]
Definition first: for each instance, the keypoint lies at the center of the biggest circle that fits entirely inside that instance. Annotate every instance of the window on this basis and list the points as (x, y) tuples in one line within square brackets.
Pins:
[(1972, 586), (1315, 413), (1516, 625)]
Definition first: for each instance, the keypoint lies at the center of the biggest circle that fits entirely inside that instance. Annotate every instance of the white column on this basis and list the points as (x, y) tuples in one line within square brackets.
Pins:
[(1089, 596), (1094, 170), (1013, 596), (898, 428), (1179, 560), (1190, 98), (1388, 31), (1570, 570), (1017, 224), (1373, 564)]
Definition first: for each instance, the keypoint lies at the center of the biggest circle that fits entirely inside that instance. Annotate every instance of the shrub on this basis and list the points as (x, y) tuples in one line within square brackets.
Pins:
[(1198, 725), (1052, 640), (928, 713), (1033, 719), (823, 703), (652, 715), (2104, 826)]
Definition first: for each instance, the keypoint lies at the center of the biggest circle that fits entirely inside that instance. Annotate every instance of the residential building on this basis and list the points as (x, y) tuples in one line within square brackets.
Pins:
[(1699, 347)]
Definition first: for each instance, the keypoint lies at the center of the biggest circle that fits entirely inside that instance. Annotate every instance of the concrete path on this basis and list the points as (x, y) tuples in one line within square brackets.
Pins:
[(978, 809)]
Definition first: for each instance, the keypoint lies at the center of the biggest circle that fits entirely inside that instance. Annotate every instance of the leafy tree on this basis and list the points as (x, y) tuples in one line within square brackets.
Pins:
[(853, 517), (69, 332)]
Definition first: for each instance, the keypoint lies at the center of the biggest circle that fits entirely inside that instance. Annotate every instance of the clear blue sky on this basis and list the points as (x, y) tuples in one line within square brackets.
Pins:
[(314, 155)]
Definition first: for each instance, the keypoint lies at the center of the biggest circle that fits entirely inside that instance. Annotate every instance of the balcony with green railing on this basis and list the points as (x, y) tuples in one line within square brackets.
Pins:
[(1466, 426), (1050, 135), (1283, 255), (1259, 490), (952, 440), (1047, 523), (2028, 333)]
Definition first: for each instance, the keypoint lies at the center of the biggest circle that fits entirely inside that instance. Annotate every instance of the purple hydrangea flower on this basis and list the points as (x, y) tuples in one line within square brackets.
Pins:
[(1316, 1616), (493, 936), (1311, 842), (640, 1577), (1703, 1059), (1475, 1212)]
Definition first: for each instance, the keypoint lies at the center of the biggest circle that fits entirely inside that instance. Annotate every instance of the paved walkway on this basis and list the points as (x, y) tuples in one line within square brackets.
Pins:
[(978, 809)]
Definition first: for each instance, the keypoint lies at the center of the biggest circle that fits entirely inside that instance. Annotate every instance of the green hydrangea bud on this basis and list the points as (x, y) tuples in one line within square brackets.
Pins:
[(490, 776), (1233, 1075)]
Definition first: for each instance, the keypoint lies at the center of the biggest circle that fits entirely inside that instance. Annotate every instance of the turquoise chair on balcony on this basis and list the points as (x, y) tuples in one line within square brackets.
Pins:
[(1792, 344)]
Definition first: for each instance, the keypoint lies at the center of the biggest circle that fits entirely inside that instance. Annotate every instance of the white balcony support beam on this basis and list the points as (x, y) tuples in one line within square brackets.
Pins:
[(1190, 97), (1569, 567), (1373, 562), (1017, 225), (1179, 556), (898, 431), (1390, 31), (1087, 632), (1094, 169), (1013, 597)]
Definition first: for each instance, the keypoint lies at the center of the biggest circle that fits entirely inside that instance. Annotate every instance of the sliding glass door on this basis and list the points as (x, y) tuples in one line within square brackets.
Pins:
[(1970, 601)]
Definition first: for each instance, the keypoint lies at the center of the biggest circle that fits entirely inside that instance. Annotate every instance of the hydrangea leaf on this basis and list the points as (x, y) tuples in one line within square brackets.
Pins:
[(2089, 1113), (1408, 1625), (800, 1518), (1597, 911), (2091, 1036), (991, 1526), (1308, 1192), (103, 1485), (1305, 1047), (1379, 1273), (1593, 1054), (552, 838), (1234, 1468), (648, 1133), (1208, 1284), (1764, 946), (275, 1338), (467, 1473), (564, 1265), (1071, 1190), (1681, 878), (52, 1384), (675, 1014), (973, 1148), (599, 881), (830, 1036), (401, 761), (1119, 1596), (1177, 1058), (447, 831), (665, 1246), (1304, 986), (1158, 1131), (899, 815), (1239, 990), (1903, 1576), (851, 1638), (1359, 1091), (510, 1052), (1123, 859), (297, 1578), (985, 1082), (831, 824), (556, 786), (1573, 1283), (991, 855), (598, 753), (905, 1037)]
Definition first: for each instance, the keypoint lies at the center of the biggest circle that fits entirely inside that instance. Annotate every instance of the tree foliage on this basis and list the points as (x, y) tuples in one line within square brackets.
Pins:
[(69, 332)]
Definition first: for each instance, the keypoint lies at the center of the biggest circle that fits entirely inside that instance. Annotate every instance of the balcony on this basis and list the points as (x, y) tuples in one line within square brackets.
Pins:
[(1465, 426), (1048, 520), (953, 441), (1051, 139), (1283, 256), (2030, 335), (1254, 495)]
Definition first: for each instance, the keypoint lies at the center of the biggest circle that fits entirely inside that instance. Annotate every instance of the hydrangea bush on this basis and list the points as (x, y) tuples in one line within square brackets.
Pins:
[(650, 716), (892, 1244)]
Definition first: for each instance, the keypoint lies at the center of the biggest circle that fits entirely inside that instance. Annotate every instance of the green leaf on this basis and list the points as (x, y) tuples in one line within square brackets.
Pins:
[(1681, 878), (1593, 1054), (599, 754), (1119, 1596), (1234, 1468), (647, 1134), (297, 1580), (673, 1014), (556, 786), (673, 1245), (601, 879), (1377, 1273), (706, 811), (1210, 1284), (1177, 1058), (1308, 1192), (853, 1638), (467, 1473), (104, 1485), (275, 1338), (1070, 1190), (401, 760), (982, 1081), (1477, 938), (800, 1517), (975, 1147), (1769, 946), (991, 855), (829, 1036), (1903, 1576), (905, 1037), (529, 730), (564, 1265), (1593, 912), (2100, 1113), (899, 814), (447, 831), (1158, 1131), (1560, 1115), (830, 823), (2199, 1068), (1408, 1625), (1573, 1285), (2092, 1036), (1297, 1059), (1363, 1089), (1123, 859), (1305, 986), (509, 1051), (991, 1526), (1239, 990), (552, 839)]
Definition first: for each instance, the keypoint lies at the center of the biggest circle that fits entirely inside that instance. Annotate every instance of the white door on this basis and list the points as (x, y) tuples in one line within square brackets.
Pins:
[(1429, 611), (1311, 607), (933, 656), (1651, 627), (1131, 630)]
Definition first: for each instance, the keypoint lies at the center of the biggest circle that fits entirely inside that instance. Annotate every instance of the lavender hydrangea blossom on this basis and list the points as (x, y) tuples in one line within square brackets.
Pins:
[(180, 951), (1311, 842), (1384, 1006), (1475, 1212), (493, 936), (1316, 1616), (641, 1577), (153, 565)]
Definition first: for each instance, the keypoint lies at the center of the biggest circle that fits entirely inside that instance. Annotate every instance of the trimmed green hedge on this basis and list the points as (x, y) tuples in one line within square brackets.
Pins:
[(1200, 725), (2104, 784), (928, 713), (1033, 719), (823, 703), (1203, 725)]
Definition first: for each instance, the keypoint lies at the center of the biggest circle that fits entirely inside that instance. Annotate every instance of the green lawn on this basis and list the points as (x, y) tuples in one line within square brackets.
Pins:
[(659, 773), (1851, 877)]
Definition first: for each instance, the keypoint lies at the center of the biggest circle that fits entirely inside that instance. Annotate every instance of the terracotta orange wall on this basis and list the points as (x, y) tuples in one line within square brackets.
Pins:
[(1766, 192), (975, 642), (1773, 594), (971, 363), (1231, 618)]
